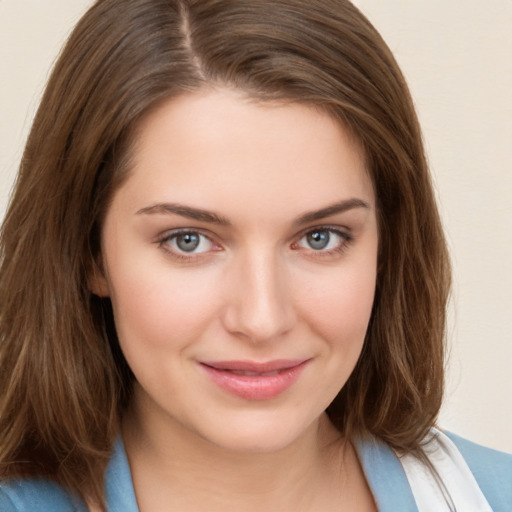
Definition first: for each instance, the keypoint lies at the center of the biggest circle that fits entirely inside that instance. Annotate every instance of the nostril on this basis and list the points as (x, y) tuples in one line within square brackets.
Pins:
[(258, 320)]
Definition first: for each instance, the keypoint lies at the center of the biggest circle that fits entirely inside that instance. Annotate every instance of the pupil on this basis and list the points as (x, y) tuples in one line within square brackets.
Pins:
[(318, 239), (187, 242)]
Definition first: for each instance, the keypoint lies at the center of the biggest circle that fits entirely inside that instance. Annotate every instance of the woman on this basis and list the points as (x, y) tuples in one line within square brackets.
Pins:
[(224, 277)]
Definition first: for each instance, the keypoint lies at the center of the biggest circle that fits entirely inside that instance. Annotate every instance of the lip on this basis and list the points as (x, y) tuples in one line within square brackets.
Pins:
[(251, 380)]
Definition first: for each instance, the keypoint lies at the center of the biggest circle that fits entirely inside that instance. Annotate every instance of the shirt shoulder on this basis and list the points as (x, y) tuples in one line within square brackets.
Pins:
[(492, 470), (40, 495), (36, 495)]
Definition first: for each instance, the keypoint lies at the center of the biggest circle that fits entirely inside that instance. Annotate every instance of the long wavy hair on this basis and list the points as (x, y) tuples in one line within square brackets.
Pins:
[(63, 380)]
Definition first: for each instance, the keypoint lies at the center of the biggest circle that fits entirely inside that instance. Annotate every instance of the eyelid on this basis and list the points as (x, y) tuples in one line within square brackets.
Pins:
[(344, 233), (163, 239)]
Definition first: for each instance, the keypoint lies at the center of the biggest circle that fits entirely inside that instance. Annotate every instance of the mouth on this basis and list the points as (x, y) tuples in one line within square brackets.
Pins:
[(252, 380)]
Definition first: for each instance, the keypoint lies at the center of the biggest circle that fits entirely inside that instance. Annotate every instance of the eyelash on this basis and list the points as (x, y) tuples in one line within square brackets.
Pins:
[(346, 240), (165, 240)]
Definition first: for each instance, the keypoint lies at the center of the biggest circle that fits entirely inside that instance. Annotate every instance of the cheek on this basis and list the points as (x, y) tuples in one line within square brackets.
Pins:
[(161, 309), (339, 310)]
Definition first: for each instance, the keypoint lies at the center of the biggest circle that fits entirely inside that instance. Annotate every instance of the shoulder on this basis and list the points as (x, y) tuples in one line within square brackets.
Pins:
[(40, 495), (492, 470), (36, 495), (392, 487), (385, 476)]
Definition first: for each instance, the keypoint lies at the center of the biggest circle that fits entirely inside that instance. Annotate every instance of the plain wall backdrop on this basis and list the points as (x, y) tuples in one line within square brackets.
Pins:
[(457, 58)]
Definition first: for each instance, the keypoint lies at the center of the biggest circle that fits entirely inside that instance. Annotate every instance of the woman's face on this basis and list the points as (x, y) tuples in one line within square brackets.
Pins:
[(240, 257)]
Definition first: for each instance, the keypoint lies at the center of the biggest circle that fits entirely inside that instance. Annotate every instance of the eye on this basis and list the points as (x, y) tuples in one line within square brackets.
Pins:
[(187, 242), (324, 240)]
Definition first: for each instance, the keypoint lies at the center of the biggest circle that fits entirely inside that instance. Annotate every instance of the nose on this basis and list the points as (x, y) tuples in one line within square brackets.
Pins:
[(259, 304)]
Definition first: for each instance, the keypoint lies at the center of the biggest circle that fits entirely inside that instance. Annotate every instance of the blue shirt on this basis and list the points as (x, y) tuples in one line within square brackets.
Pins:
[(384, 473)]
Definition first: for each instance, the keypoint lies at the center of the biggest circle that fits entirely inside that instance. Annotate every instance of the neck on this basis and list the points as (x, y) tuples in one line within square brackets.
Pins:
[(175, 469)]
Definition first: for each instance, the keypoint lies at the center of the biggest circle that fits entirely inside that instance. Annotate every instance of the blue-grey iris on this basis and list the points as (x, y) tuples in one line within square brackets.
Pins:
[(318, 239), (188, 242)]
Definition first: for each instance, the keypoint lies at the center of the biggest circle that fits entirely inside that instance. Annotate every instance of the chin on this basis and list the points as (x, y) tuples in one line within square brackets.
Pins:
[(260, 434)]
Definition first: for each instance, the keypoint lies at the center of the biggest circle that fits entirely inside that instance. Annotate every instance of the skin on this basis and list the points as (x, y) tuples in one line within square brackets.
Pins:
[(256, 288)]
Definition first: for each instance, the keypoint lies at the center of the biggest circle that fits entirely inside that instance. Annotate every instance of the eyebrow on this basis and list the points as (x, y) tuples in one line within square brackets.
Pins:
[(333, 209), (213, 218), (185, 211)]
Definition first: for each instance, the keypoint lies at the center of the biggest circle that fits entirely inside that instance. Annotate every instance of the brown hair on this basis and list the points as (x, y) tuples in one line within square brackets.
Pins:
[(63, 380)]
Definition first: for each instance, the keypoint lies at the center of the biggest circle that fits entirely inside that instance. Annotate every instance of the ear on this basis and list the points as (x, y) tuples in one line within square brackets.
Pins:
[(97, 280)]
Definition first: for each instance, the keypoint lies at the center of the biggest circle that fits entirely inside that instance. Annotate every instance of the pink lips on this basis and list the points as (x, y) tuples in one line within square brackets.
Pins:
[(255, 381)]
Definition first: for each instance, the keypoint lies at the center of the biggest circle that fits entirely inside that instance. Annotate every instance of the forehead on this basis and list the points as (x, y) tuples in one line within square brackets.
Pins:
[(218, 147)]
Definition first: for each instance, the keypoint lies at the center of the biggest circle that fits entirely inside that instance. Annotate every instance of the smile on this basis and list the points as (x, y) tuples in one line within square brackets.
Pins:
[(255, 381)]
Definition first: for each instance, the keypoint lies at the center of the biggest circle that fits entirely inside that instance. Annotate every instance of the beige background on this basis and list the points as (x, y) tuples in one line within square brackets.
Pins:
[(457, 57)]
